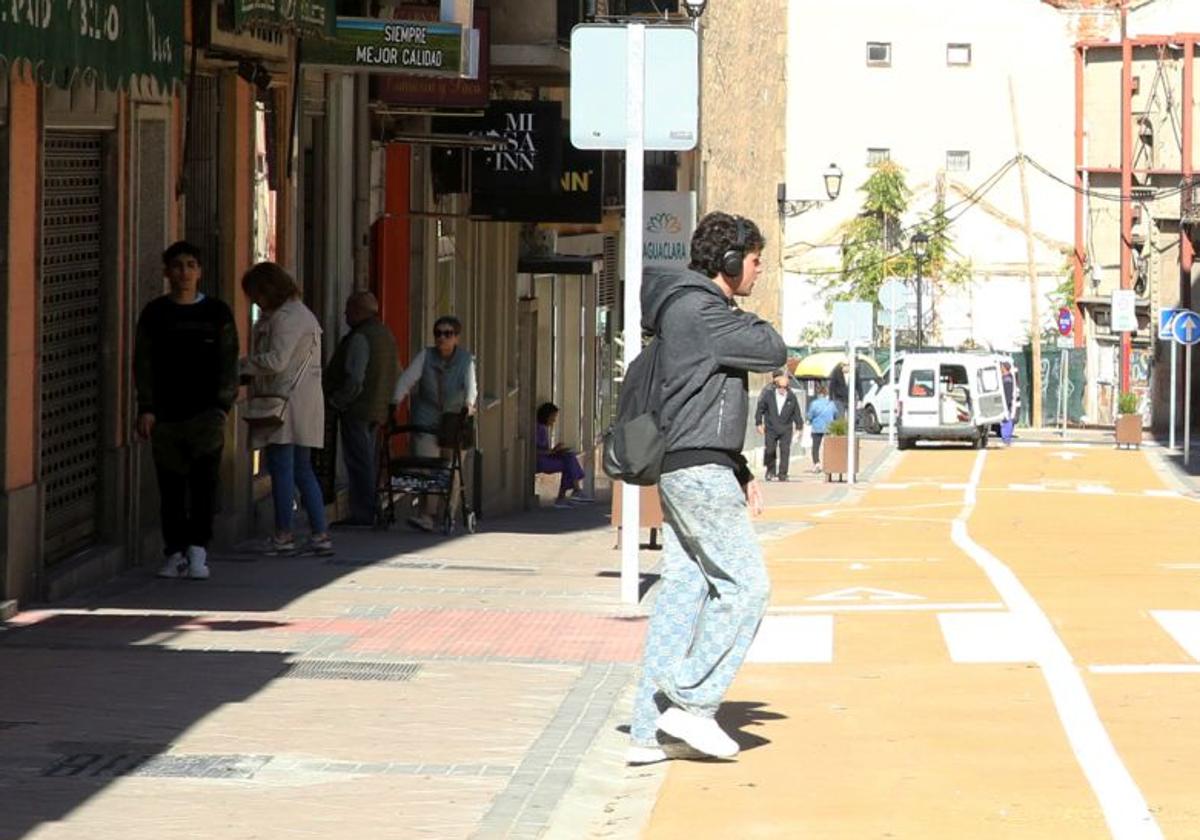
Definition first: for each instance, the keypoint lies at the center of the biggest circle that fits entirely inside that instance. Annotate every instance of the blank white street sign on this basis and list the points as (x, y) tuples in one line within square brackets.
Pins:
[(893, 295), (599, 81), (853, 321)]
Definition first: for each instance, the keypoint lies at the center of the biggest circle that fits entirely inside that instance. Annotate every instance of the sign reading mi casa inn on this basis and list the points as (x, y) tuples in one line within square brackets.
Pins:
[(371, 45)]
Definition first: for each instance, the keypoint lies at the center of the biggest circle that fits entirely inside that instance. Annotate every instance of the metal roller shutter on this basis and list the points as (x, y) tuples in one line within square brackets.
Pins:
[(72, 275)]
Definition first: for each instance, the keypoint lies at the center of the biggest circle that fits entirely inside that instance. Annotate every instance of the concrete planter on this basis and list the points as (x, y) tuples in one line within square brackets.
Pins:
[(835, 456), (1129, 430)]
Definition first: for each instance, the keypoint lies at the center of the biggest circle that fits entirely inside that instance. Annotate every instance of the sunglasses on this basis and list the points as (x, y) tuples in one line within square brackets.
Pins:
[(444, 333)]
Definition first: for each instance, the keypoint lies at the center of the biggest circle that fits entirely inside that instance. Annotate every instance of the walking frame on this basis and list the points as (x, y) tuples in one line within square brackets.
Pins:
[(413, 478)]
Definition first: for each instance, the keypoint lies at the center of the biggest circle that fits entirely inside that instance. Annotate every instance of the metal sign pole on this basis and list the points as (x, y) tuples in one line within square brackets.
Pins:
[(1174, 388), (1062, 391), (634, 161), (851, 411), (1187, 407), (892, 381)]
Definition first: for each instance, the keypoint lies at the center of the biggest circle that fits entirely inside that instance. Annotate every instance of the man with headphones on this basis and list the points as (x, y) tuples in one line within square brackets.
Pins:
[(714, 583)]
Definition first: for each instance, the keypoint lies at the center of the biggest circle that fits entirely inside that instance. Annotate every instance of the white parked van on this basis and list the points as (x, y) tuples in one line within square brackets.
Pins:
[(948, 396)]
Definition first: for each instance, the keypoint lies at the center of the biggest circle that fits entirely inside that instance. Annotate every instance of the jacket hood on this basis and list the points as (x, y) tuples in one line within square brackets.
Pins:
[(660, 284)]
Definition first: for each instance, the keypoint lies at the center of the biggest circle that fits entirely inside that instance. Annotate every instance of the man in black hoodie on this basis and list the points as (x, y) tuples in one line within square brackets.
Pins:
[(185, 370), (714, 584)]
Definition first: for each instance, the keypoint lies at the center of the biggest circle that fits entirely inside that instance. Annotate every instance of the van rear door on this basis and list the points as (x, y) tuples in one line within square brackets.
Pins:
[(919, 403), (989, 395)]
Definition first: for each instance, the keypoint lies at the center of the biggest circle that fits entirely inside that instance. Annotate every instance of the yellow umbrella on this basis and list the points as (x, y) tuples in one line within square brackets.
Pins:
[(820, 365)]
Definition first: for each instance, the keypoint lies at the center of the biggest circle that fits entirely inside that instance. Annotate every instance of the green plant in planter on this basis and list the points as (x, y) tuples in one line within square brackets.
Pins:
[(1127, 403), (838, 426)]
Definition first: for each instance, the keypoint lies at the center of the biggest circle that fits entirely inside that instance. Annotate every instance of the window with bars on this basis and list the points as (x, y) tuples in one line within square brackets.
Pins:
[(878, 156), (958, 161)]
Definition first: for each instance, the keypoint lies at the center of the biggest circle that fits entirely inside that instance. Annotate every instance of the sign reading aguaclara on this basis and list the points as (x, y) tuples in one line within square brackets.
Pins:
[(372, 45)]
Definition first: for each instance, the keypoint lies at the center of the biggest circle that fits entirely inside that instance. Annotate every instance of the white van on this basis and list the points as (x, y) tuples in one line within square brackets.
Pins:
[(948, 396)]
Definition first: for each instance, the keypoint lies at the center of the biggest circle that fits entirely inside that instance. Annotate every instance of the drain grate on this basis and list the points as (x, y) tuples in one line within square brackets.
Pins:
[(103, 761), (344, 670)]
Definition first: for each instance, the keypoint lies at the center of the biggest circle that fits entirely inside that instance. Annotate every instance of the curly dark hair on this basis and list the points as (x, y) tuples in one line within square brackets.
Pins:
[(545, 411), (184, 248), (717, 233), (272, 283)]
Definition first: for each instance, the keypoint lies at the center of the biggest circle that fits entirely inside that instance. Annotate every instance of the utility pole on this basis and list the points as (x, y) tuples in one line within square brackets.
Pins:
[(1035, 317), (1126, 183)]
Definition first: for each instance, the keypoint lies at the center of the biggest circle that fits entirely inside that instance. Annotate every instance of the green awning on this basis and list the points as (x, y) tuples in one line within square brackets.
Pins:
[(112, 40), (305, 17)]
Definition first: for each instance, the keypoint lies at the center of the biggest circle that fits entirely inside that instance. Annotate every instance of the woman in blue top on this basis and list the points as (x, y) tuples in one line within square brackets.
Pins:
[(821, 412)]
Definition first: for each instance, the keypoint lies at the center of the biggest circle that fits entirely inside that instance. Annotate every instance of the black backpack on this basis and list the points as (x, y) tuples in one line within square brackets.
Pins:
[(636, 442)]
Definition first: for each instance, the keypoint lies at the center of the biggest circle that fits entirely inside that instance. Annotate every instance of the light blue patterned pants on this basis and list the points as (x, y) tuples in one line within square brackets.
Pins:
[(712, 596)]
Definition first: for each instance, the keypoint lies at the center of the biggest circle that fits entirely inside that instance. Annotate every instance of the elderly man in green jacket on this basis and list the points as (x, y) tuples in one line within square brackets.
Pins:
[(358, 386)]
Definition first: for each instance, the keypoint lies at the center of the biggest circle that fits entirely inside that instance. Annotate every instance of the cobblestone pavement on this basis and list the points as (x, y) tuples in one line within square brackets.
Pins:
[(408, 687)]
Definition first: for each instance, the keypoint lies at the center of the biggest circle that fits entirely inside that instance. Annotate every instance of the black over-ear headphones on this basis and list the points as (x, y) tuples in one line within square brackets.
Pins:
[(731, 260)]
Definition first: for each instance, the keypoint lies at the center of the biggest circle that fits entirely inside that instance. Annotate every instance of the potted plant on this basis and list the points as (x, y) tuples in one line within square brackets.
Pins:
[(1129, 421), (835, 450)]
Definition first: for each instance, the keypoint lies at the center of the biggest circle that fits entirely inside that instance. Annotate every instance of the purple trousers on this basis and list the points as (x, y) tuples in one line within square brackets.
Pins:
[(565, 463)]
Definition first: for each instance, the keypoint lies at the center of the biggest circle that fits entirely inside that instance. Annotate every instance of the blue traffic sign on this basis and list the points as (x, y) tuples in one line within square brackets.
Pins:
[(1165, 316), (1185, 327)]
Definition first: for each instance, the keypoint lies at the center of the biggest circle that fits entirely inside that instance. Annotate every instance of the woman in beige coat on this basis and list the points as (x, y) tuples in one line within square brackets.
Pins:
[(285, 359)]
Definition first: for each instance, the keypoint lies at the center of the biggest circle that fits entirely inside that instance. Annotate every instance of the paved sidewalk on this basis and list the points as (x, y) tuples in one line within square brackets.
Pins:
[(410, 686)]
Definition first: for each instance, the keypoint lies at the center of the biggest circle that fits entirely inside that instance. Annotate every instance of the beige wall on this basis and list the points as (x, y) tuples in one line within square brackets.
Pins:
[(742, 112)]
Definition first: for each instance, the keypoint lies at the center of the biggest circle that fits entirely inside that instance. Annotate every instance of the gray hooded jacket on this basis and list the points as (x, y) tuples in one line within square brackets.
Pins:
[(707, 348)]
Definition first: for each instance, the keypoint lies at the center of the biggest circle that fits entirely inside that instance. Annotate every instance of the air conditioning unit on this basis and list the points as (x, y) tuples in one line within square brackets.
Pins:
[(213, 25)]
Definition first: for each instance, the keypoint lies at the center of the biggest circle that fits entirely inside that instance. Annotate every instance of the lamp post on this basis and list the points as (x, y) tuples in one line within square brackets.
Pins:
[(833, 188), (920, 247)]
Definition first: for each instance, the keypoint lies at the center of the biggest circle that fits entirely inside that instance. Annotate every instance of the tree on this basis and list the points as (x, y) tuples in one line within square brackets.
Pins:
[(875, 245)]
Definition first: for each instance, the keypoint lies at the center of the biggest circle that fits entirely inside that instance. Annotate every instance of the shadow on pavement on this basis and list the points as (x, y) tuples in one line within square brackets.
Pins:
[(76, 723), (738, 716)]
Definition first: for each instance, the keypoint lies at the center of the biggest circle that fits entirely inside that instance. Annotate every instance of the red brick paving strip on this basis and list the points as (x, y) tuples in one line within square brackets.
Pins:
[(549, 635)]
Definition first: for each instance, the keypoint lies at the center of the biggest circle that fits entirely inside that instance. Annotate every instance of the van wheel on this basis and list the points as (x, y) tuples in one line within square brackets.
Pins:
[(904, 443), (871, 421)]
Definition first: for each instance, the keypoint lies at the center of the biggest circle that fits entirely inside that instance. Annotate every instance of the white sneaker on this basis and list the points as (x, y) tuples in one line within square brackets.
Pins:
[(174, 566), (702, 733), (197, 563)]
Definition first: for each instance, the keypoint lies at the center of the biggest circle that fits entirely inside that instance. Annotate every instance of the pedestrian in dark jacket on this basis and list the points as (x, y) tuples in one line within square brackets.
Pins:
[(714, 583), (358, 387), (185, 372), (777, 418), (839, 390)]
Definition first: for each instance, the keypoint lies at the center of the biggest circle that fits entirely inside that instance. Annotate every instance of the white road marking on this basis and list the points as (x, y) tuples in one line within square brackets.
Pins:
[(858, 567), (1184, 627), (1125, 809), (1000, 637), (793, 638), (1096, 490), (1163, 494), (1067, 456), (865, 593), (1027, 488), (1164, 668), (889, 607)]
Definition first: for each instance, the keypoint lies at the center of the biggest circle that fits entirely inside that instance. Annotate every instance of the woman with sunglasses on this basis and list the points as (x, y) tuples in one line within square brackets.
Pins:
[(444, 378)]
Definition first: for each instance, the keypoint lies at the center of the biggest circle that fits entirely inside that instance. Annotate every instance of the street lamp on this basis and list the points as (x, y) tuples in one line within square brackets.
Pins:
[(694, 8), (920, 247), (833, 187)]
